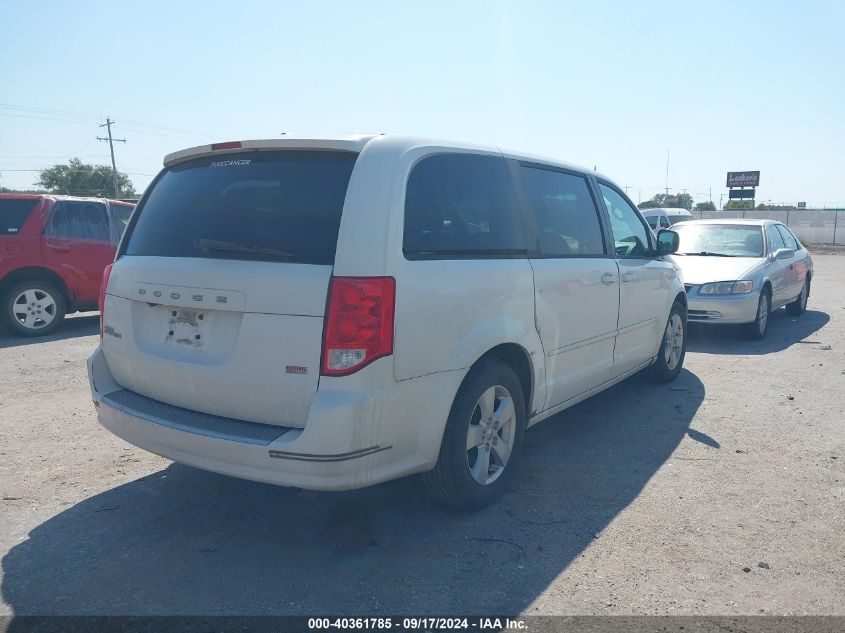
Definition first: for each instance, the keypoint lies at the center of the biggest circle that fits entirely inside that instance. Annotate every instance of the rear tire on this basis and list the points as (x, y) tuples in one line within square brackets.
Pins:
[(756, 330), (482, 439), (799, 306), (673, 346), (33, 308)]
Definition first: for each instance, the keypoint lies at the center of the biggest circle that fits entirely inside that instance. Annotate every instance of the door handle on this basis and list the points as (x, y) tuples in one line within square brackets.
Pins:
[(59, 248), (608, 278), (628, 277)]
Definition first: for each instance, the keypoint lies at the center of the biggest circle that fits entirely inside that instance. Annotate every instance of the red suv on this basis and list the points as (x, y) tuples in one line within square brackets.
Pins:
[(53, 250)]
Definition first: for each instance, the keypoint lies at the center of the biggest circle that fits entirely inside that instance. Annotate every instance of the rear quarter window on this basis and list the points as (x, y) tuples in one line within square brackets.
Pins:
[(13, 214), (267, 206), (462, 206)]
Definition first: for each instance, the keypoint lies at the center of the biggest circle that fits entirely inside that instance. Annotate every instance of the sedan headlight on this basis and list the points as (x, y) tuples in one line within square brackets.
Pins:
[(726, 288)]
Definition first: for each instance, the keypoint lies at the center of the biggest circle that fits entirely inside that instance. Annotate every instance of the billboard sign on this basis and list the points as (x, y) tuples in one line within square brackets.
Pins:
[(740, 204), (739, 194), (743, 179), (802, 205)]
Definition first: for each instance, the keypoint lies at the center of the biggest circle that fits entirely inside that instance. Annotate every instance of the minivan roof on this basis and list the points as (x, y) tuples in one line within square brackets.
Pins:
[(351, 143), (356, 143)]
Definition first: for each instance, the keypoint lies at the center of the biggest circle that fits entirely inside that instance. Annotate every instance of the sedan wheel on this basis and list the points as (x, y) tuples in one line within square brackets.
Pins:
[(757, 329), (799, 306)]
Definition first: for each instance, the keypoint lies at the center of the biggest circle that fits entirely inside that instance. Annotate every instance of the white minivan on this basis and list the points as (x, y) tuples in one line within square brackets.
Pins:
[(330, 314), (664, 218)]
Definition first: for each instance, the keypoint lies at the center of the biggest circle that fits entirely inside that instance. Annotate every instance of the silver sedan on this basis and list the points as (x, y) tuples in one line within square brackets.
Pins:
[(738, 271)]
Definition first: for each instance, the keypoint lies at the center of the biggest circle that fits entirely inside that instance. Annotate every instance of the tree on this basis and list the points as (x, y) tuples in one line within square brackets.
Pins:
[(705, 206), (662, 201), (81, 179)]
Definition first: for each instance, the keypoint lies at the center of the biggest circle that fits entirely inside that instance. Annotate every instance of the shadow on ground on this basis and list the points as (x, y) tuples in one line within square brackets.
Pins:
[(73, 327), (784, 331), (183, 541)]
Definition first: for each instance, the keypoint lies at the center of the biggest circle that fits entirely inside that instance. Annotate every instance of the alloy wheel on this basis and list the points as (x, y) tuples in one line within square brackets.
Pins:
[(673, 341), (763, 312), (34, 309), (491, 435)]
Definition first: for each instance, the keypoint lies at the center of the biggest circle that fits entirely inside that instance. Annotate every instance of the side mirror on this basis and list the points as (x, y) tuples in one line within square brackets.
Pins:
[(667, 242), (783, 253)]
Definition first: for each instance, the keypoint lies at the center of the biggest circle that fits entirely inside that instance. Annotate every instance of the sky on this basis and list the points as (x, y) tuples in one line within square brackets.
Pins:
[(721, 86)]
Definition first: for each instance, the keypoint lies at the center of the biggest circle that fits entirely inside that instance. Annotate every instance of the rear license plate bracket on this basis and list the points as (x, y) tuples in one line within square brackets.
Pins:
[(186, 327)]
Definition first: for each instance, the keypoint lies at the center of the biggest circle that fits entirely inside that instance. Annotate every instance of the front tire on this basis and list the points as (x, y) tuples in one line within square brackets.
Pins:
[(482, 440), (673, 347), (799, 306), (756, 330), (34, 308)]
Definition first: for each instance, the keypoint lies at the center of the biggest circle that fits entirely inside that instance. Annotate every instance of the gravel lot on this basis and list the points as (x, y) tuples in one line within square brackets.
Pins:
[(645, 500)]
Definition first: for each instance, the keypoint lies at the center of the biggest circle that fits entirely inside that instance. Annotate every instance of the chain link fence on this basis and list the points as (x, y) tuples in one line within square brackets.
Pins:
[(820, 226)]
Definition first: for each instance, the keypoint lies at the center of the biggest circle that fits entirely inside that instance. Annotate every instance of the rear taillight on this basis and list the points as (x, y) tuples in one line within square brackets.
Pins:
[(359, 323), (101, 304)]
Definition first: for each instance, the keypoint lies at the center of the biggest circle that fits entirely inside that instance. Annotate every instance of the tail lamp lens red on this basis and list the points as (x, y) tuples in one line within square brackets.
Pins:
[(359, 323), (101, 304), (225, 145)]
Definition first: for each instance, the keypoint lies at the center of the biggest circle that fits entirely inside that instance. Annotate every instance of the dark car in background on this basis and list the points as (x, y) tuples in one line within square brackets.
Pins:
[(53, 250)]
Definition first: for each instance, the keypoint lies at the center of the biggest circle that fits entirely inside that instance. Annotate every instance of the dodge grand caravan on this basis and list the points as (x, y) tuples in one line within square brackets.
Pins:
[(329, 314)]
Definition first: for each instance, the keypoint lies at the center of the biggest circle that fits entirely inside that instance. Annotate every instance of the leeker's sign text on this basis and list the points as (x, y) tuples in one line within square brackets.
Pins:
[(743, 179)]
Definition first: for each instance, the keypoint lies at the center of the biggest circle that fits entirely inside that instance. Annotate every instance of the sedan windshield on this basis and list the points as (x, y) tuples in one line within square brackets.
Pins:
[(725, 240)]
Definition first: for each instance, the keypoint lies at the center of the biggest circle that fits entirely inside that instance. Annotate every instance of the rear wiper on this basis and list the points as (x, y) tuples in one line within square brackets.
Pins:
[(707, 254), (235, 247)]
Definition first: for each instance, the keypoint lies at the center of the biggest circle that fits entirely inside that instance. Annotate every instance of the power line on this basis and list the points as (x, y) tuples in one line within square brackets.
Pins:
[(69, 116)]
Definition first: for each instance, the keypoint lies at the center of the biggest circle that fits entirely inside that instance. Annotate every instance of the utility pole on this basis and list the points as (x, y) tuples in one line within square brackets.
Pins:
[(112, 141), (667, 171)]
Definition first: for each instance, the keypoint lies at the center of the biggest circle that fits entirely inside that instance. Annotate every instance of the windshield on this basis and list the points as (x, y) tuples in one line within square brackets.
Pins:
[(727, 240), (268, 206)]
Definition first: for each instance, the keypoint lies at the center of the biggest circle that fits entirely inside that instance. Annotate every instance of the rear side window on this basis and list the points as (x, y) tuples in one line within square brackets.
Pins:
[(774, 238), (566, 216), (462, 206), (267, 206), (788, 237), (85, 221), (652, 221), (13, 213)]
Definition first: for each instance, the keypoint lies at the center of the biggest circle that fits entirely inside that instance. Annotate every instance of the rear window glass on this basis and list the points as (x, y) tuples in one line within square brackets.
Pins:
[(13, 213), (268, 206), (462, 206)]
